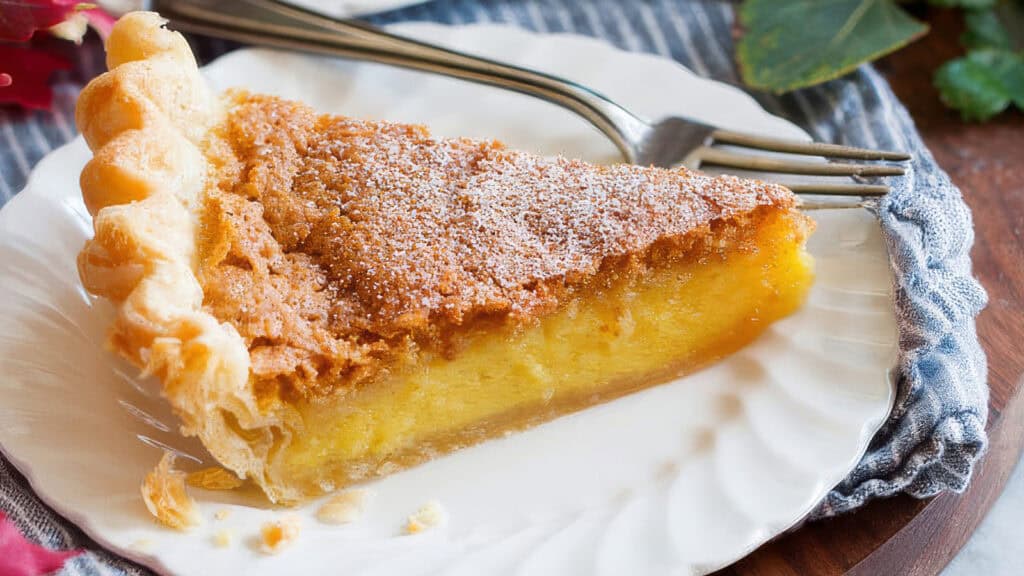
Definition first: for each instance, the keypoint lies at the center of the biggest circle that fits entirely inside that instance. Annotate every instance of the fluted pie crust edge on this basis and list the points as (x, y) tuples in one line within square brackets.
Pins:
[(145, 119)]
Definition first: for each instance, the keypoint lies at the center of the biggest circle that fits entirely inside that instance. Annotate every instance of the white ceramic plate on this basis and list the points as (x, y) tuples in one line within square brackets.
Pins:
[(682, 478), (335, 8), (351, 8)]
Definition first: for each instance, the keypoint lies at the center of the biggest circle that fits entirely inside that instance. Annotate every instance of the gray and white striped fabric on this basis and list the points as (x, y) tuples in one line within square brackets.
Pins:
[(937, 429)]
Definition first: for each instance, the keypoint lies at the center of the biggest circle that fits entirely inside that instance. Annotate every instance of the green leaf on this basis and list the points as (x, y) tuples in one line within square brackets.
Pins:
[(983, 83), (789, 44), (984, 30), (1008, 67)]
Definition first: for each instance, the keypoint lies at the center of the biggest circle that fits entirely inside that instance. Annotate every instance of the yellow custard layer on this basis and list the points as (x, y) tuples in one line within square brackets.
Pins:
[(622, 340)]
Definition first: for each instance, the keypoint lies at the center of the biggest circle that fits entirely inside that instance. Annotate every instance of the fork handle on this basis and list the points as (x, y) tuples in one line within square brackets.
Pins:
[(273, 23)]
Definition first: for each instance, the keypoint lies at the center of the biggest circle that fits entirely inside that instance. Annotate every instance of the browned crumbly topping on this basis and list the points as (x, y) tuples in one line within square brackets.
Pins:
[(336, 245)]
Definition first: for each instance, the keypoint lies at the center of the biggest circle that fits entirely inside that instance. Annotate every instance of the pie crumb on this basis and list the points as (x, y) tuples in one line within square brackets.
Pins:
[(166, 497), (141, 545), (279, 534), (214, 478), (344, 507), (430, 515), (223, 538), (221, 514)]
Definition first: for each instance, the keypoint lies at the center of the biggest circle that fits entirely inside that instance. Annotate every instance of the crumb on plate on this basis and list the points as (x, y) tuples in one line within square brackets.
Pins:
[(344, 507), (429, 515), (166, 497), (279, 534), (221, 514), (223, 538)]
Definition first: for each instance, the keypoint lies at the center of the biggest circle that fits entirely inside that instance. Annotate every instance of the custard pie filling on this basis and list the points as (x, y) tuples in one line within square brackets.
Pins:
[(329, 299)]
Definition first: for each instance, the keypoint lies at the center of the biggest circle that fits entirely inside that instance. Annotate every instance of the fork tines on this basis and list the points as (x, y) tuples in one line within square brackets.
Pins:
[(719, 157), (807, 148)]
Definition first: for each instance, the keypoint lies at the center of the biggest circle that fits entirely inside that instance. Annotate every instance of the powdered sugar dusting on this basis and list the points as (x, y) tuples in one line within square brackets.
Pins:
[(426, 224)]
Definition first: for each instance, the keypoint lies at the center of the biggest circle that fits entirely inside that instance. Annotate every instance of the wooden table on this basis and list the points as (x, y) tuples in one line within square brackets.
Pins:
[(903, 535)]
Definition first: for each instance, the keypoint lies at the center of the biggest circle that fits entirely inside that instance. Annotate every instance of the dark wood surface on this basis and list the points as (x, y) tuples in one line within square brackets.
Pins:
[(902, 535)]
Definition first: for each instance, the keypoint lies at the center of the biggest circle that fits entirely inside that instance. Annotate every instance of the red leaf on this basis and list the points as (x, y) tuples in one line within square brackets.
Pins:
[(29, 73), (20, 557), (100, 21), (19, 19)]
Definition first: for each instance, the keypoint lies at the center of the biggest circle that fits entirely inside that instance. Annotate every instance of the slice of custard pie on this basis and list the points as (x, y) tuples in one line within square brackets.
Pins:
[(327, 299)]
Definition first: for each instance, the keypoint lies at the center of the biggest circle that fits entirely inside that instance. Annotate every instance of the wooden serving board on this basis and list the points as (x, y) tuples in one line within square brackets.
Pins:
[(903, 535)]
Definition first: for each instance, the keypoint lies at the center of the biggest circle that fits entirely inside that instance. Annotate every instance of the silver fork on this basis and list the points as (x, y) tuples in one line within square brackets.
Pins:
[(669, 142)]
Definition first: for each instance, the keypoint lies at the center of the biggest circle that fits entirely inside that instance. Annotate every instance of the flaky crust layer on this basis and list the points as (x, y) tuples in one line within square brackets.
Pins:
[(145, 120)]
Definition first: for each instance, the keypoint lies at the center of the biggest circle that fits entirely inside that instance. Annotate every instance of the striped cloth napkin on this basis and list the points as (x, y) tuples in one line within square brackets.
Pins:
[(937, 429)]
